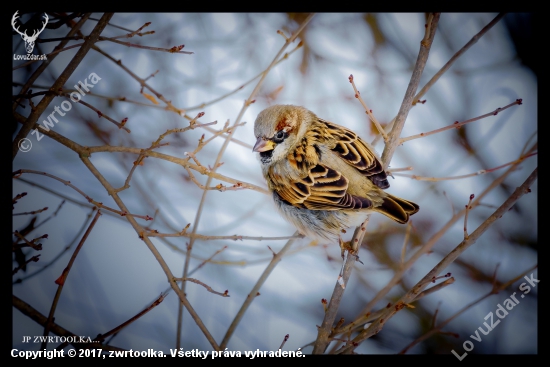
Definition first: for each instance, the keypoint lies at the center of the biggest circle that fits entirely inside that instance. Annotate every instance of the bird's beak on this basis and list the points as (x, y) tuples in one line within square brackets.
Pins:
[(263, 145)]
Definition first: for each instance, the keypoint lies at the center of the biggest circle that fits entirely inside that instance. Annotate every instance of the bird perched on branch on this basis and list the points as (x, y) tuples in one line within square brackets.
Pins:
[(324, 178)]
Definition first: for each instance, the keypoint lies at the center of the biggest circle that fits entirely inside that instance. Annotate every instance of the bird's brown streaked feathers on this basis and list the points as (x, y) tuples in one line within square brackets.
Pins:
[(355, 152), (322, 189), (313, 164)]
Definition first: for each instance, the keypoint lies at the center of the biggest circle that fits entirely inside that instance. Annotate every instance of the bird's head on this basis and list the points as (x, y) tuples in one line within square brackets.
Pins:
[(277, 129)]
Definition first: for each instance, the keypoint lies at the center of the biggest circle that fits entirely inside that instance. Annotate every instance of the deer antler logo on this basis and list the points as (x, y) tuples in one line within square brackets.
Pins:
[(29, 40)]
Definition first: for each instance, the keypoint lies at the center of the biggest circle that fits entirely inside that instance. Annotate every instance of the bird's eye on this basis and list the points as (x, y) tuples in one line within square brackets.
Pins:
[(279, 136)]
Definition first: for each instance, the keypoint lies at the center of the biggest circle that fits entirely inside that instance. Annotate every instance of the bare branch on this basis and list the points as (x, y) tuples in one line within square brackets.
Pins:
[(18, 173), (208, 288), (61, 280), (377, 325), (458, 125), (480, 172), (254, 292), (368, 110)]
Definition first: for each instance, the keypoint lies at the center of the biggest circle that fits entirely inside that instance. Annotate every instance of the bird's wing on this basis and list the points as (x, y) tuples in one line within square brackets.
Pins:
[(354, 151), (322, 189)]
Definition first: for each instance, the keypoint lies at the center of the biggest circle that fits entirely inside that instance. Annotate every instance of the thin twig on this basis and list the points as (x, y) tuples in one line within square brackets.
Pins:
[(172, 50), (208, 288), (141, 82), (458, 125), (207, 260), (435, 288), (234, 237), (284, 341), (157, 144), (192, 125), (137, 162), (123, 28), (480, 172), (18, 173), (35, 258), (468, 207), (32, 212), (434, 318), (17, 197), (368, 110), (67, 198), (120, 125), (405, 241), (61, 280), (30, 243), (51, 216), (254, 292), (391, 171), (451, 203)]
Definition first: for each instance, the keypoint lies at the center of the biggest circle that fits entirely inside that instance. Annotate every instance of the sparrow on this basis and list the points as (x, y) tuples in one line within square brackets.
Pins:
[(324, 178)]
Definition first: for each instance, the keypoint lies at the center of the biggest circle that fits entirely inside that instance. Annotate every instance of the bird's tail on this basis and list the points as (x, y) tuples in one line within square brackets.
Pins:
[(397, 209)]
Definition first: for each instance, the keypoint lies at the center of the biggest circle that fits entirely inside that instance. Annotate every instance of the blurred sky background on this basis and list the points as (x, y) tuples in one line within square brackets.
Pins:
[(115, 275)]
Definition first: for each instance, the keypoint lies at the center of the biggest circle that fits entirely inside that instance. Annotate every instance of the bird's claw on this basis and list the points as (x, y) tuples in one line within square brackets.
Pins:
[(346, 246)]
